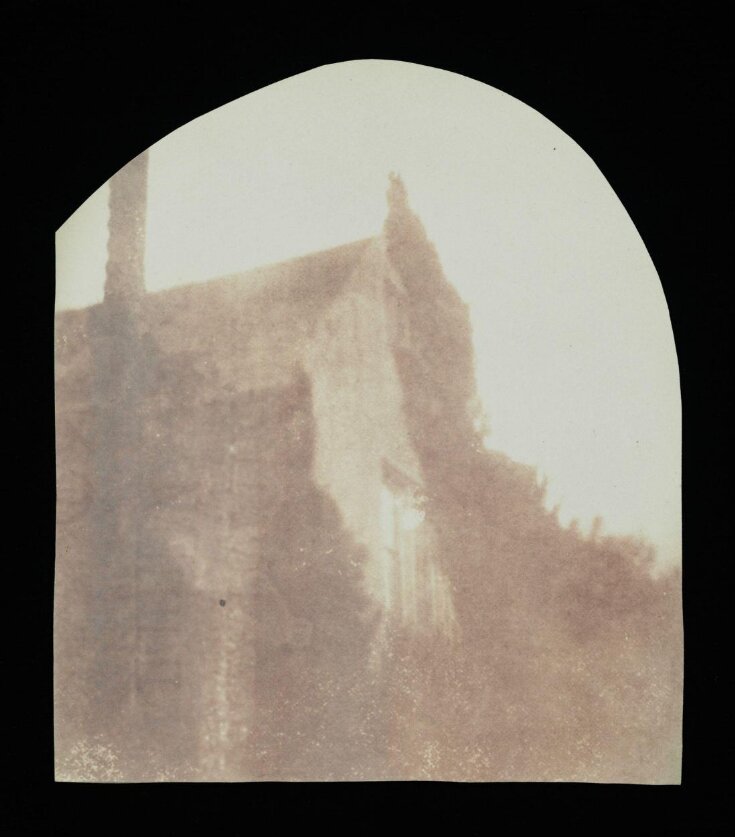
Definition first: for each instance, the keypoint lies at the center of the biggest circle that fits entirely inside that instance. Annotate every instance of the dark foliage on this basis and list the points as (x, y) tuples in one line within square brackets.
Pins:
[(568, 665), (315, 689)]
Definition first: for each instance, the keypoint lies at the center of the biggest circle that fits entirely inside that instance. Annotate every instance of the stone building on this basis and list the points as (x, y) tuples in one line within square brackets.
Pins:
[(242, 519), (284, 550)]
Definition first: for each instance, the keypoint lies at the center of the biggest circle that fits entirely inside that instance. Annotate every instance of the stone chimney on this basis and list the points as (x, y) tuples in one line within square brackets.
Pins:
[(126, 241)]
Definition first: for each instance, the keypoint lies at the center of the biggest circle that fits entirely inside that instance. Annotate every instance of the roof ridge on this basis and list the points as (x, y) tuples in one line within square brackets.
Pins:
[(268, 266)]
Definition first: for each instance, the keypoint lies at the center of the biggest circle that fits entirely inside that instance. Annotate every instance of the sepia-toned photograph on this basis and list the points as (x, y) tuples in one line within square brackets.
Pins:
[(368, 451)]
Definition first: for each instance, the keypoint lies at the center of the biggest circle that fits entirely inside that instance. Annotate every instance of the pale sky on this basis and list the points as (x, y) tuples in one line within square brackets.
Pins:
[(576, 365)]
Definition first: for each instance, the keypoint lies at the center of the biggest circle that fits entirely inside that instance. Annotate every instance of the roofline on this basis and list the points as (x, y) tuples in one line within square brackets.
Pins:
[(242, 274)]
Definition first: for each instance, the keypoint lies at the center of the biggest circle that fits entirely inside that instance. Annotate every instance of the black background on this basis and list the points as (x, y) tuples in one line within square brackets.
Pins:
[(641, 87)]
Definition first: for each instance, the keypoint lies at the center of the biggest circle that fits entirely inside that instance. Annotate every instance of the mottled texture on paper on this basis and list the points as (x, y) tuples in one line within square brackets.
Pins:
[(285, 552)]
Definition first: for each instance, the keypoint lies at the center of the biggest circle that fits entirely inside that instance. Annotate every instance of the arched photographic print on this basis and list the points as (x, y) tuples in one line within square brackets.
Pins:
[(368, 451)]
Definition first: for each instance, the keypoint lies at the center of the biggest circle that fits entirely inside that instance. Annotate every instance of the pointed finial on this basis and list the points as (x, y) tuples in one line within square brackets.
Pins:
[(401, 220), (397, 195)]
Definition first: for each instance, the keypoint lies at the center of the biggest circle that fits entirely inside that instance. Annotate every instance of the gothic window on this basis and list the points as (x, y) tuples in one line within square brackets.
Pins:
[(401, 519)]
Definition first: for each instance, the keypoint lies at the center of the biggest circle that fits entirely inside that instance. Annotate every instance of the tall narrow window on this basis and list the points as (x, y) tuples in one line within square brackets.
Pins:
[(401, 517)]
